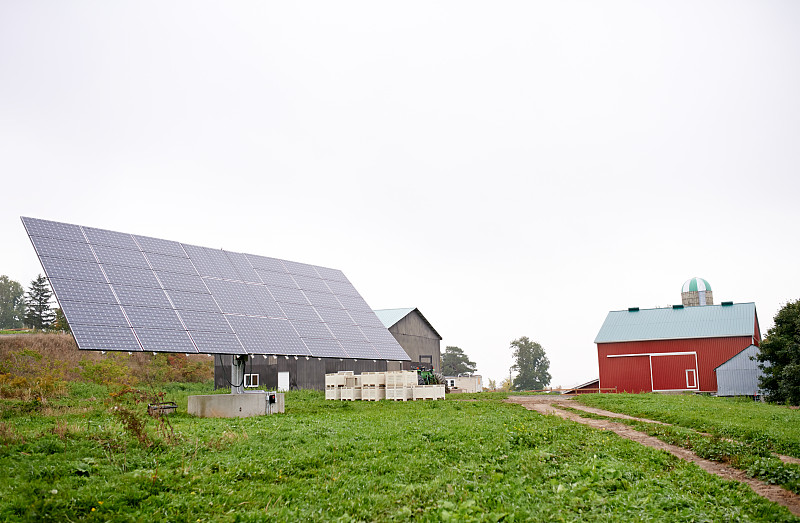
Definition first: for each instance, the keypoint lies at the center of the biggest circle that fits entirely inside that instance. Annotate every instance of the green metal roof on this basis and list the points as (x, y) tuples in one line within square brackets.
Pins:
[(695, 284), (709, 321), (391, 316)]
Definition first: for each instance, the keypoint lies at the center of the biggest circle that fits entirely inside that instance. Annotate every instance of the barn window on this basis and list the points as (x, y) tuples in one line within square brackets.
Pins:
[(251, 380), (426, 359)]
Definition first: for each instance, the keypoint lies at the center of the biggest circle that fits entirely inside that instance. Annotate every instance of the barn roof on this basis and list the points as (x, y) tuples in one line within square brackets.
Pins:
[(708, 321), (391, 316)]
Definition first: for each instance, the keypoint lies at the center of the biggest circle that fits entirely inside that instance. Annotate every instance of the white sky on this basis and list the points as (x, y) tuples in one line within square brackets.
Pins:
[(510, 168)]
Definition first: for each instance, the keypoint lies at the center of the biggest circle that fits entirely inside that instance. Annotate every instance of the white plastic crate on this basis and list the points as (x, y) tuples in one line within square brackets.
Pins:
[(428, 392), (374, 379), (399, 393), (373, 393), (350, 393), (333, 393), (401, 378)]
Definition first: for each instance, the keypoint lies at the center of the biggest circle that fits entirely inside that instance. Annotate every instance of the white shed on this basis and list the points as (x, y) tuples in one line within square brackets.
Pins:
[(739, 375)]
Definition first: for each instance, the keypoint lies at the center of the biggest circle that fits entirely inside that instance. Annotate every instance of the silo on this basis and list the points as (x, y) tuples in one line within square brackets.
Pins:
[(696, 292)]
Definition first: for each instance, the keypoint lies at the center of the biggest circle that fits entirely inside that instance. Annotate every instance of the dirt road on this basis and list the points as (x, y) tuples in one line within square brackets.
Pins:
[(549, 405)]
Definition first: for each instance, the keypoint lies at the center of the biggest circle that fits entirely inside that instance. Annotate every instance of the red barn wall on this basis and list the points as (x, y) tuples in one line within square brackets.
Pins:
[(633, 374)]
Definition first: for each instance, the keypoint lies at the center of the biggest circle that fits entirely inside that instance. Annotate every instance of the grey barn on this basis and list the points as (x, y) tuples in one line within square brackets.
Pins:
[(415, 334)]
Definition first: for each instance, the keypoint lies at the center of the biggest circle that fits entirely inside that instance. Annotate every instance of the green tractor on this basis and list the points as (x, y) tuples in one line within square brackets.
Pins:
[(426, 374)]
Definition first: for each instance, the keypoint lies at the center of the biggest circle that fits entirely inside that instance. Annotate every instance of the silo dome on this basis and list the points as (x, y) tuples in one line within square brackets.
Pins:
[(696, 292), (696, 284)]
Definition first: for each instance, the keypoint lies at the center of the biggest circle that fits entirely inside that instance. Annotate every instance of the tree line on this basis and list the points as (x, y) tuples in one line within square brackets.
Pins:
[(530, 364), (32, 308)]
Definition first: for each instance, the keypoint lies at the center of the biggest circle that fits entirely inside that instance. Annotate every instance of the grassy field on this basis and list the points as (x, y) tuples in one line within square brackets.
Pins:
[(80, 458), (772, 427)]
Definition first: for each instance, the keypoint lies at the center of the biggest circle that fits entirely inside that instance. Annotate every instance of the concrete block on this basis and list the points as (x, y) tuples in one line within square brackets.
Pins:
[(235, 405)]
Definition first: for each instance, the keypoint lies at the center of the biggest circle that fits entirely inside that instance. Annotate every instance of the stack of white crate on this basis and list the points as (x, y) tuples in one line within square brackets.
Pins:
[(398, 385), (373, 386), (334, 384), (352, 388)]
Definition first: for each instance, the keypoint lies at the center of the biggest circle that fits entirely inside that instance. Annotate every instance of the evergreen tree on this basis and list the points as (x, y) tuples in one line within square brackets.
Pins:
[(455, 362), (38, 313), (531, 365), (60, 321), (779, 356), (12, 303)]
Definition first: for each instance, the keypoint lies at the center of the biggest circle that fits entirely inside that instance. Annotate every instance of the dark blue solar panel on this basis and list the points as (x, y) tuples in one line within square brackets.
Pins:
[(354, 303), (217, 343), (346, 332), (234, 297), (193, 301), (323, 299), (343, 288), (391, 352), (79, 313), (64, 231), (242, 267), (182, 282), (211, 262), (367, 319), (159, 246), (95, 337), (165, 341), (378, 336), (329, 348), (82, 291), (55, 248), (72, 270), (273, 306), (205, 321), (311, 284), (110, 238), (131, 276), (276, 279), (359, 350), (300, 312), (312, 330), (300, 268), (122, 257), (263, 262), (161, 262), (152, 318), (330, 274), (287, 295), (142, 297), (339, 316)]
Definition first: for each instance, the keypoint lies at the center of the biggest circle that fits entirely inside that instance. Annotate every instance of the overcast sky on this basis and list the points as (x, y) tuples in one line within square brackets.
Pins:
[(510, 168)]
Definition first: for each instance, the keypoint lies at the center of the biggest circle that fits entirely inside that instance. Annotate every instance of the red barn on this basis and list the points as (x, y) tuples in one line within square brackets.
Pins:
[(673, 349)]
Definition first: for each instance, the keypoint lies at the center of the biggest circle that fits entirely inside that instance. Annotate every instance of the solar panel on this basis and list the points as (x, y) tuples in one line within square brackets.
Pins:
[(136, 293)]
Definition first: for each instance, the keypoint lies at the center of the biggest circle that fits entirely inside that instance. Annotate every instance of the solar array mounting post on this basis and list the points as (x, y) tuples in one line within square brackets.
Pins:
[(237, 373)]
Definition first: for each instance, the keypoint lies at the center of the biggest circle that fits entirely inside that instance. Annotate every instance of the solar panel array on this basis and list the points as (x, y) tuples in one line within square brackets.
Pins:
[(134, 293)]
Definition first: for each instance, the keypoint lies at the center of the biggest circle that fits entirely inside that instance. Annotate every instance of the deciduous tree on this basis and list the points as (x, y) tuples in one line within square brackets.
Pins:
[(38, 313), (779, 357), (12, 303), (455, 362), (531, 365)]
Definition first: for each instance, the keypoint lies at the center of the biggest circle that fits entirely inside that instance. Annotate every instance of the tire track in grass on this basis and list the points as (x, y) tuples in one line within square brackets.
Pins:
[(609, 414), (549, 406)]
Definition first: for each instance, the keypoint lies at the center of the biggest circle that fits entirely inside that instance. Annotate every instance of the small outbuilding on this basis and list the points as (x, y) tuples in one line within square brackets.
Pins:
[(415, 334), (739, 375)]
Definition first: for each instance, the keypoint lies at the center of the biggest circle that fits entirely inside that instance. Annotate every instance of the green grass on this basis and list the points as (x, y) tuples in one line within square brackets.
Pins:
[(481, 460), (772, 427)]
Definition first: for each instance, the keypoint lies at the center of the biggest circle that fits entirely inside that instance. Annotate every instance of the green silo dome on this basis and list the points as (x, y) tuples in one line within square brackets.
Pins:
[(696, 284)]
